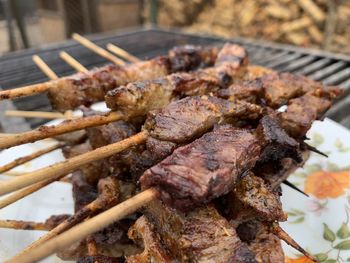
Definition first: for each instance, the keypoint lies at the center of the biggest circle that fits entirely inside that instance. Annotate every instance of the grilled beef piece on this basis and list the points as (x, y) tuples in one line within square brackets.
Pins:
[(201, 235), (265, 245), (55, 220), (302, 111), (278, 144), (205, 169), (144, 234), (99, 259), (274, 173), (92, 171), (189, 57), (83, 192), (211, 165), (251, 91), (281, 87), (253, 72), (253, 192), (183, 120), (135, 99), (274, 89), (117, 164), (87, 88)]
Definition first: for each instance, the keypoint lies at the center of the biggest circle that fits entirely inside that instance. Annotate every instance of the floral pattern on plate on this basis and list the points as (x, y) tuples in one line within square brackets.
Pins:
[(321, 222)]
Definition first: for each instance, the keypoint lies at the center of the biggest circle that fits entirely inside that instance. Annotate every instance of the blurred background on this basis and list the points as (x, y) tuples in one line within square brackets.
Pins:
[(322, 24)]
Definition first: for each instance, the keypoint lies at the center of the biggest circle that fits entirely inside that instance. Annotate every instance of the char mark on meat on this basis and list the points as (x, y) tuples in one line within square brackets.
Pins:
[(83, 193), (99, 259), (302, 111), (265, 245), (188, 57), (211, 165), (205, 169), (139, 97), (273, 89), (144, 234), (86, 88), (279, 144), (253, 192), (201, 235), (186, 119)]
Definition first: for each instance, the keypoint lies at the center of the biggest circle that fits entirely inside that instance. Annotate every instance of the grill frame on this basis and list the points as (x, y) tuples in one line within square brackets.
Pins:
[(17, 69)]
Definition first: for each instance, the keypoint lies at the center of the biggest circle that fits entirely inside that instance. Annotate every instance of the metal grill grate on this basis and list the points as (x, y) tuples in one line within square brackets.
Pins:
[(17, 69)]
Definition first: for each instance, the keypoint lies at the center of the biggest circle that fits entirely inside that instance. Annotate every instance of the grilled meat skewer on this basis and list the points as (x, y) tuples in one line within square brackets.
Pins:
[(211, 165), (87, 88)]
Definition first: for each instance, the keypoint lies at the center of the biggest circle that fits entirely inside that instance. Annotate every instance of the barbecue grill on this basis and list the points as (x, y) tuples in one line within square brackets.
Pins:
[(17, 69)]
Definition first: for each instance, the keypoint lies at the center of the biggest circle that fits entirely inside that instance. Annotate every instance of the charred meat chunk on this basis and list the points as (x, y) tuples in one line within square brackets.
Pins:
[(253, 192), (139, 97), (211, 165), (201, 235), (183, 120), (302, 111), (207, 168), (143, 233)]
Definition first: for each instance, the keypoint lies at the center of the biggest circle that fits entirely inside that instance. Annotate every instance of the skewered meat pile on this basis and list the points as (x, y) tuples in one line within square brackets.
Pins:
[(217, 151)]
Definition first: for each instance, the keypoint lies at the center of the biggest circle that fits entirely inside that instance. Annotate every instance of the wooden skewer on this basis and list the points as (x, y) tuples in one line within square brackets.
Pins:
[(42, 87), (8, 200), (85, 212), (39, 114), (44, 67), (25, 159), (122, 53), (73, 62), (54, 130), (55, 171), (31, 89), (12, 173), (88, 227), (24, 91), (24, 225), (102, 52)]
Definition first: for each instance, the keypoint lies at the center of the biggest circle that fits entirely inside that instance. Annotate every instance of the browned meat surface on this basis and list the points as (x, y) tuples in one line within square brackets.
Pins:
[(280, 87), (189, 57), (99, 259), (274, 173), (253, 72), (87, 88), (253, 192), (251, 91), (92, 171), (144, 234), (265, 245), (210, 166), (278, 144), (302, 111), (83, 192), (201, 235), (135, 99), (183, 120), (114, 132), (55, 220), (207, 168), (273, 89)]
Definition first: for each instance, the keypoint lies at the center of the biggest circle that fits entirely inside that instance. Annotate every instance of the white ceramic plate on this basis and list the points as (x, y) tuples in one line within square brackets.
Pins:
[(319, 223)]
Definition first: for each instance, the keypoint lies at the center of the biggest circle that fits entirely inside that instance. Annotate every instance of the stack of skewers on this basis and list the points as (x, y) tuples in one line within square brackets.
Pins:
[(187, 165)]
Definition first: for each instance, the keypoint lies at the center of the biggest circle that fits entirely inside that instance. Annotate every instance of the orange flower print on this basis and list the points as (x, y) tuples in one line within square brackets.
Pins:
[(323, 184), (302, 259)]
